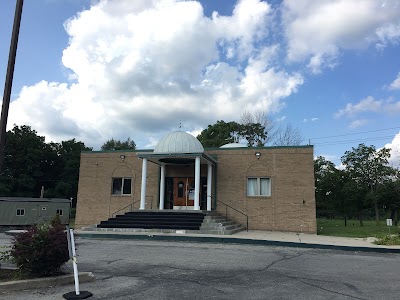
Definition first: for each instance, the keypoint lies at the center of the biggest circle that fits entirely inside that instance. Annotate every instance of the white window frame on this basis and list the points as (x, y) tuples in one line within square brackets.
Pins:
[(20, 212), (123, 179), (258, 187), (59, 211)]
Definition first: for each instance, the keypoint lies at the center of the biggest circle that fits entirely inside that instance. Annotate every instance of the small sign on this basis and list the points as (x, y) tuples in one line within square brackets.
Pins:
[(181, 231), (389, 222)]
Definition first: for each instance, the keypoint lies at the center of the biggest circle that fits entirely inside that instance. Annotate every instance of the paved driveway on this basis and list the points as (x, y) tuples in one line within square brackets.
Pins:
[(128, 269)]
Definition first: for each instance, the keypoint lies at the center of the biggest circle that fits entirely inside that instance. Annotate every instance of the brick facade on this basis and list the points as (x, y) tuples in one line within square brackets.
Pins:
[(291, 206)]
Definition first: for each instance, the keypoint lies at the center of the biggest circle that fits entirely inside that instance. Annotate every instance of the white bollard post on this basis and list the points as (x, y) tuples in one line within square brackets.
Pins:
[(72, 252), (76, 277)]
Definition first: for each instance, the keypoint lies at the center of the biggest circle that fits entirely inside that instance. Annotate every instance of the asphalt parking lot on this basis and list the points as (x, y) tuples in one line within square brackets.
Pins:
[(132, 269)]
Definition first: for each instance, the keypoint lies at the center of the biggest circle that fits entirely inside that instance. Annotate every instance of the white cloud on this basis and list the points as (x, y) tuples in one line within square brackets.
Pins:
[(395, 85), (281, 119), (357, 123), (305, 120), (394, 145), (139, 66), (317, 31), (367, 104)]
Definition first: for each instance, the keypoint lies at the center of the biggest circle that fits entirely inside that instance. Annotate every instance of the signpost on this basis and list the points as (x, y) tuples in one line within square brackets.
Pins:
[(72, 255), (389, 224)]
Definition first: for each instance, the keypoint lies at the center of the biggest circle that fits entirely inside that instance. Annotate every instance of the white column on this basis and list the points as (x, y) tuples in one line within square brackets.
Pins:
[(162, 187), (209, 180), (143, 191), (197, 183)]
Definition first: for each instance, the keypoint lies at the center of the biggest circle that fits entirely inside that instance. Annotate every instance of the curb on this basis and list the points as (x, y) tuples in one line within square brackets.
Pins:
[(36, 283), (227, 240)]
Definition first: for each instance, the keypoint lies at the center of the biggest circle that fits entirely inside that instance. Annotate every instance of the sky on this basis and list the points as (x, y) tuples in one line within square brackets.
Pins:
[(96, 70)]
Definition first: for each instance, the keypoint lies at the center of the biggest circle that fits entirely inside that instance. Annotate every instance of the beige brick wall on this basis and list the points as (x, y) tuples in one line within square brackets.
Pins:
[(291, 206), (95, 202)]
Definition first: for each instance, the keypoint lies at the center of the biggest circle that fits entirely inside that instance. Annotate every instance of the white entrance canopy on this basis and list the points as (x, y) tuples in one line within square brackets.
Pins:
[(178, 148)]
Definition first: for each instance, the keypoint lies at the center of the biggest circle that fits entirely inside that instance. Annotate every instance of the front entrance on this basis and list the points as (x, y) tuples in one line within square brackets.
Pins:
[(179, 193)]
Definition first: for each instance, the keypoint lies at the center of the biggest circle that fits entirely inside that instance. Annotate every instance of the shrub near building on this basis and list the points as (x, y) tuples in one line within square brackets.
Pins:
[(41, 251)]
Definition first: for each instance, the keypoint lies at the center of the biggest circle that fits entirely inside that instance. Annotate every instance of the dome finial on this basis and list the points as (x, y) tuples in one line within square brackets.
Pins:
[(180, 125)]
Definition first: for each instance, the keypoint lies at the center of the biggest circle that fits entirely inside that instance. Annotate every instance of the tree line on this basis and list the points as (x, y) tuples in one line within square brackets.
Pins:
[(366, 186), (31, 164)]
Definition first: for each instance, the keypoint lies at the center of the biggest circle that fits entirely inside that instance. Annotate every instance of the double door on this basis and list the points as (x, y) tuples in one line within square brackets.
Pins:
[(179, 192)]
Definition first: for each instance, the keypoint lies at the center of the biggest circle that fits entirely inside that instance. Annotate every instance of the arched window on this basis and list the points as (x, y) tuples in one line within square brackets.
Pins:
[(181, 185)]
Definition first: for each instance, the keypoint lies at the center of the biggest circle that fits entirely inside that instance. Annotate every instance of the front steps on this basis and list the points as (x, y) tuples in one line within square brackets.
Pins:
[(169, 221)]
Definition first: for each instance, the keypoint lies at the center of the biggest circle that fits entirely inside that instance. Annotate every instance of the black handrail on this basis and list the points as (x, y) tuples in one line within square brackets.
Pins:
[(226, 213), (129, 205)]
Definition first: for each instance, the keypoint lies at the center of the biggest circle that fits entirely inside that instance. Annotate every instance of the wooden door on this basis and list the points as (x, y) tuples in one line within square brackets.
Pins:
[(183, 191)]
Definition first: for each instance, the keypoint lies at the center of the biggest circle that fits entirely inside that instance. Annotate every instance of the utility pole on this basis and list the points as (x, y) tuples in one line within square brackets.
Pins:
[(9, 77)]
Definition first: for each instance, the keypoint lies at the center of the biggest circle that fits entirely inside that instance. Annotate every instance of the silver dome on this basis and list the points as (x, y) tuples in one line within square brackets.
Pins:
[(179, 142)]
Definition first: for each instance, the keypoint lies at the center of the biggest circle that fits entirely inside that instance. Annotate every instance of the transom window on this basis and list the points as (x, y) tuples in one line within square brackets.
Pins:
[(20, 212), (121, 186), (258, 186)]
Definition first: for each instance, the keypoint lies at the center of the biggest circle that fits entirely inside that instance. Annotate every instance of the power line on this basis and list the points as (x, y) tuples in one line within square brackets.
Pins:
[(364, 132), (341, 142)]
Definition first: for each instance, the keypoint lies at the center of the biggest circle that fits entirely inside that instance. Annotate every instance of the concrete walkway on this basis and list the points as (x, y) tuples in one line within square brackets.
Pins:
[(255, 237)]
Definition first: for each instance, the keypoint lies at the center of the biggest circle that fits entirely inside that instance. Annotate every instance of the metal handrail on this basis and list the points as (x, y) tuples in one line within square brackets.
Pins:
[(129, 205), (226, 213)]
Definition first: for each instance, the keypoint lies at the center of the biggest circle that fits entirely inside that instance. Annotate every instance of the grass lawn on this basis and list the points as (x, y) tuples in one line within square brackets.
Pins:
[(335, 227)]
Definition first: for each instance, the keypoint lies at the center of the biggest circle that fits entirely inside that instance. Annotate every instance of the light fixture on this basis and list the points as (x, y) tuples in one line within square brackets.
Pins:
[(122, 157), (258, 154)]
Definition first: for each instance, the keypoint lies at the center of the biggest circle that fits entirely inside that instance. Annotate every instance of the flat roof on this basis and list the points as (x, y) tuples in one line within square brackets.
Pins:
[(205, 149), (26, 199)]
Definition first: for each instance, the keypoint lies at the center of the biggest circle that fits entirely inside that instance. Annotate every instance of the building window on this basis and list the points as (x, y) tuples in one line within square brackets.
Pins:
[(20, 212), (180, 189), (258, 186), (122, 186), (59, 212), (44, 207)]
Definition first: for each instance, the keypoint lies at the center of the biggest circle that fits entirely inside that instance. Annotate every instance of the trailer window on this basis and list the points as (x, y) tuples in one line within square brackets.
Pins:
[(20, 212)]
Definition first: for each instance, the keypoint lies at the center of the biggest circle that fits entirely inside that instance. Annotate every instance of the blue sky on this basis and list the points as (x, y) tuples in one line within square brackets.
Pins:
[(93, 70)]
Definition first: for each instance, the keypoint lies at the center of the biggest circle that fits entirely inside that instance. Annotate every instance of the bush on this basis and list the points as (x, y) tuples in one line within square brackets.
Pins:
[(390, 240), (41, 251), (55, 221)]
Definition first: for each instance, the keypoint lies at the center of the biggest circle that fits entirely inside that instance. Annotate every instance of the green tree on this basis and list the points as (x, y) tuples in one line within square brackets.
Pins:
[(263, 130), (389, 196), (27, 160), (66, 169), (254, 134), (31, 163), (355, 196), (222, 133), (368, 168), (329, 184), (119, 145), (219, 134)]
